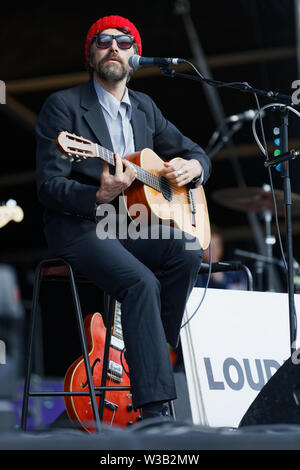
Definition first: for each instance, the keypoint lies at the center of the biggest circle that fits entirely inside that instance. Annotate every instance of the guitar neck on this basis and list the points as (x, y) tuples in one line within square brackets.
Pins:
[(117, 333), (117, 328), (8, 213), (144, 176)]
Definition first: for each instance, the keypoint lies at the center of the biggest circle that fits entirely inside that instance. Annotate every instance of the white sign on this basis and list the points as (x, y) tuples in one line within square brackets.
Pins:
[(2, 352), (232, 346), (2, 92)]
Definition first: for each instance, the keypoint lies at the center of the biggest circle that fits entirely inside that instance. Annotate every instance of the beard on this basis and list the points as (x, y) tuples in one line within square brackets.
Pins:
[(111, 71)]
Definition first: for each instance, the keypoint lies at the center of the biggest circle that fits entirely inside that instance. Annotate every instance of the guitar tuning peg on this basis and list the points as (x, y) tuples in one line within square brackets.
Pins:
[(71, 159), (64, 157)]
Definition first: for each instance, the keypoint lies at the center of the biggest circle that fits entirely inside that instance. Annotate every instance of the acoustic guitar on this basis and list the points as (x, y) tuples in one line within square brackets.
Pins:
[(118, 409), (184, 207), (10, 211)]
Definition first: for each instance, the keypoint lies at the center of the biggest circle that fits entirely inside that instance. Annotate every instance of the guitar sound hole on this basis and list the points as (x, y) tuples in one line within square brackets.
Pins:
[(166, 188), (83, 385)]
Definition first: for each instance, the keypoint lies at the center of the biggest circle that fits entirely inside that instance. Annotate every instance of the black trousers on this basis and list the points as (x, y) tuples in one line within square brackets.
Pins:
[(152, 279)]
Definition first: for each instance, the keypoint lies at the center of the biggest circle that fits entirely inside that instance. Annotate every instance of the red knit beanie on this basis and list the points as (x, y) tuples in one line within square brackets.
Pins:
[(114, 21)]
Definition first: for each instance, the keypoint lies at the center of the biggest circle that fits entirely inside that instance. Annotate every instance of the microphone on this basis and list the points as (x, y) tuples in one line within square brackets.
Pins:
[(245, 116), (136, 61), (221, 266), (291, 155)]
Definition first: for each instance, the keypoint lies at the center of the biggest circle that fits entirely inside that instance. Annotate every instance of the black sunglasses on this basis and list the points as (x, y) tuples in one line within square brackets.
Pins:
[(104, 41)]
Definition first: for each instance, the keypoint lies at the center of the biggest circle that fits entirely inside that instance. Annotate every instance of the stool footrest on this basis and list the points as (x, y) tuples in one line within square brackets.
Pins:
[(62, 394)]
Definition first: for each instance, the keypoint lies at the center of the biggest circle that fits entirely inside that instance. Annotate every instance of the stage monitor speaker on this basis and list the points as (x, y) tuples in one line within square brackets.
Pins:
[(279, 400)]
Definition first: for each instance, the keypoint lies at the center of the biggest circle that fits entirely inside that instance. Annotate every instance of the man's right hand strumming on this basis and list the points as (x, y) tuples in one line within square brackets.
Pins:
[(112, 185)]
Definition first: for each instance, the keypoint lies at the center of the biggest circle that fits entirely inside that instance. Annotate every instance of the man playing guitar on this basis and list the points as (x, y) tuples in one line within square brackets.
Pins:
[(151, 277)]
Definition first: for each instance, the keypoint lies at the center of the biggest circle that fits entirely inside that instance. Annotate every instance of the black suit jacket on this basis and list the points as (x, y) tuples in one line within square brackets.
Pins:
[(68, 190)]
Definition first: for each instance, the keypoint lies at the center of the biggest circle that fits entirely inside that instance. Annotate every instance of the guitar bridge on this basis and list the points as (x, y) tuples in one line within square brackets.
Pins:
[(110, 405), (192, 207), (115, 371)]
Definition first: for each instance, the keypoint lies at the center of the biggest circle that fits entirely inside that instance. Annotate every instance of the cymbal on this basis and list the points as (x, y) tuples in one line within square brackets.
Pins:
[(256, 200)]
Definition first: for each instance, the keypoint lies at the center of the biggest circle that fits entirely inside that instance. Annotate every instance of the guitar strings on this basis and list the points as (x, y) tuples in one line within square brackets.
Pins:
[(149, 178)]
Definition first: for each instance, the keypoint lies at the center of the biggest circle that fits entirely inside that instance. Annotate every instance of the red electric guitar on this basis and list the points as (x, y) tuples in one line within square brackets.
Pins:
[(183, 207), (118, 408), (10, 211)]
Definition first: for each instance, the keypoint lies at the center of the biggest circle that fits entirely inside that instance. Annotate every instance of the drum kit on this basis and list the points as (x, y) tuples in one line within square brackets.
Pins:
[(259, 200), (255, 199)]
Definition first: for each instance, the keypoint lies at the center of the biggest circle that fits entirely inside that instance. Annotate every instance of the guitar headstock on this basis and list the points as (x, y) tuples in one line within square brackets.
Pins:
[(75, 148), (10, 211)]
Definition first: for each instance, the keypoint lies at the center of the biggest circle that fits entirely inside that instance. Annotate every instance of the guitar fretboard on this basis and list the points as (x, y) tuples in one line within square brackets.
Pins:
[(143, 175), (117, 322)]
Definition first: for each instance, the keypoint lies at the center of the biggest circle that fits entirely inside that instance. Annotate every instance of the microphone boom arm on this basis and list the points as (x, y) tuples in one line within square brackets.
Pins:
[(245, 87), (241, 86)]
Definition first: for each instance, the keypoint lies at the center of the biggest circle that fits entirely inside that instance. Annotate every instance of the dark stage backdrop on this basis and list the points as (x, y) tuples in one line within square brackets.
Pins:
[(42, 43)]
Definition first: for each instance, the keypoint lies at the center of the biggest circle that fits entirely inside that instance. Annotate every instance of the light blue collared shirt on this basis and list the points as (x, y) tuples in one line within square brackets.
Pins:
[(117, 115)]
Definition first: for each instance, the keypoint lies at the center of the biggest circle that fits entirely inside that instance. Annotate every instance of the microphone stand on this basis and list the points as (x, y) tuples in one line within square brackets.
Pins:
[(271, 95), (257, 257), (241, 86), (285, 174), (224, 138)]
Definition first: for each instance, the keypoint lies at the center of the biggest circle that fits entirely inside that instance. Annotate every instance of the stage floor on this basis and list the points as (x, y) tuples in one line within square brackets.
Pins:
[(159, 436)]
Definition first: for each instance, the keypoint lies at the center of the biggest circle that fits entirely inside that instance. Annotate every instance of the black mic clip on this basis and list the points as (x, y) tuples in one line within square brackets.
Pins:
[(291, 155)]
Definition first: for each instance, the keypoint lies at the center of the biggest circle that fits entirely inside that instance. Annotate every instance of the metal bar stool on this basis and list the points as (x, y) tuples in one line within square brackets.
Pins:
[(58, 269)]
